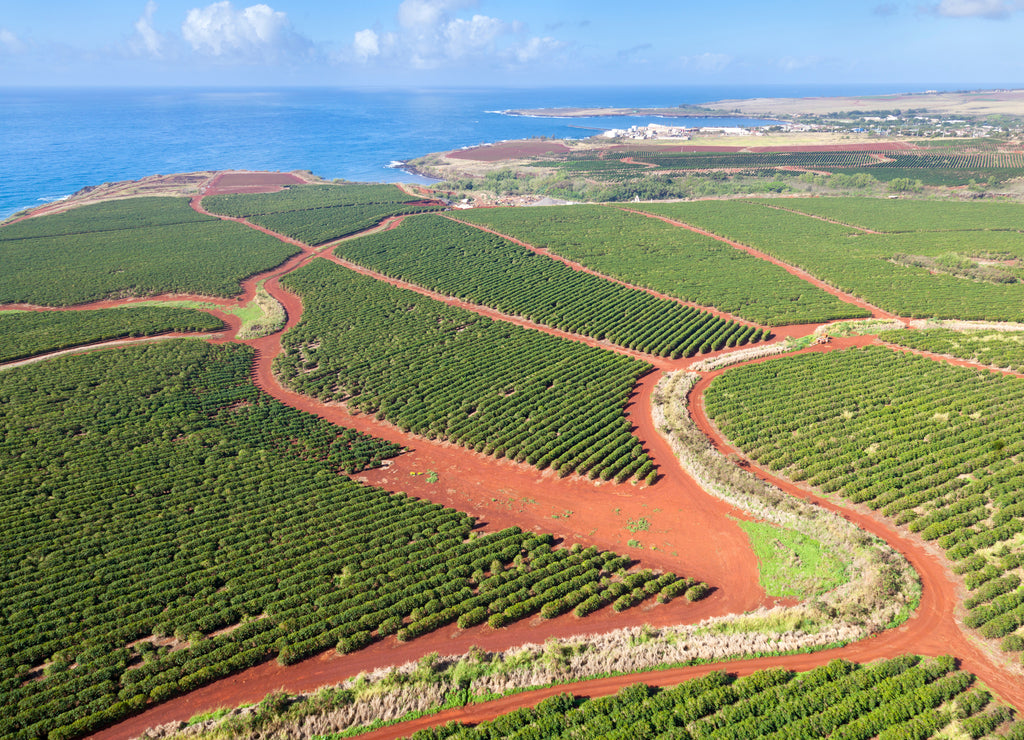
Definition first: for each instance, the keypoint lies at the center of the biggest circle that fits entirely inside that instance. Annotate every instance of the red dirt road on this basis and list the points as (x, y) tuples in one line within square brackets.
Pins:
[(690, 532), (935, 629)]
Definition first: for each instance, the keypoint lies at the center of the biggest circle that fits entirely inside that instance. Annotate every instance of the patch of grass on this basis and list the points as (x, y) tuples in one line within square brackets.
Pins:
[(636, 543), (791, 563), (638, 525)]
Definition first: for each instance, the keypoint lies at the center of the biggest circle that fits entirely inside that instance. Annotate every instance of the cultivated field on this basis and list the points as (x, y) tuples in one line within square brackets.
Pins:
[(547, 444)]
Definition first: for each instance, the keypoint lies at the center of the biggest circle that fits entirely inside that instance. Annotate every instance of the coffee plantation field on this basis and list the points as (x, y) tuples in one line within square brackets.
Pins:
[(952, 273), (168, 524), (935, 447), (314, 214), (30, 333), (135, 247), (476, 266), (1002, 349), (652, 254), (451, 374)]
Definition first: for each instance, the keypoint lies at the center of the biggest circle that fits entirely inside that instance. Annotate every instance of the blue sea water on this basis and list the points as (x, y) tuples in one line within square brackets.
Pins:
[(54, 141)]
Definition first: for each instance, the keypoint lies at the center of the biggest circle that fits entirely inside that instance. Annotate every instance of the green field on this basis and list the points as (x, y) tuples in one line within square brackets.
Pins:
[(28, 333), (898, 215), (167, 524), (475, 266), (1003, 349), (652, 254), (952, 273), (934, 447), (450, 374), (906, 697), (135, 247), (314, 214)]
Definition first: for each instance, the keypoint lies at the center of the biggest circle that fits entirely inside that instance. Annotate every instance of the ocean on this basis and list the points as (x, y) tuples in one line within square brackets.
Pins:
[(56, 141)]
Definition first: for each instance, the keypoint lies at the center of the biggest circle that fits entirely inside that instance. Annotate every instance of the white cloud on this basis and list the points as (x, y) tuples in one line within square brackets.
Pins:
[(708, 61), (423, 15), (257, 31), (433, 33), (147, 40), (465, 37), (537, 48), (977, 8), (9, 43), (366, 44)]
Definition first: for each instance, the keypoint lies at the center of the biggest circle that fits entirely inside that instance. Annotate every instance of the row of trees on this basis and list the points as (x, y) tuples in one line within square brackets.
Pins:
[(451, 374), (931, 445), (476, 266), (900, 698)]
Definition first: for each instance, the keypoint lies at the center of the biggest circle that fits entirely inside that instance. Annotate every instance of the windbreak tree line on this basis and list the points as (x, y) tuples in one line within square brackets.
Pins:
[(476, 266), (169, 524), (935, 447), (446, 373)]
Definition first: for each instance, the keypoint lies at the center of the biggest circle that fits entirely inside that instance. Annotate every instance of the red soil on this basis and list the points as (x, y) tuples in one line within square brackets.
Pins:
[(510, 150), (690, 533), (251, 182)]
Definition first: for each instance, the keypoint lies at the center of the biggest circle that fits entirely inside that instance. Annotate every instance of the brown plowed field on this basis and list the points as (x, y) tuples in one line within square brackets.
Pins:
[(690, 532), (251, 182)]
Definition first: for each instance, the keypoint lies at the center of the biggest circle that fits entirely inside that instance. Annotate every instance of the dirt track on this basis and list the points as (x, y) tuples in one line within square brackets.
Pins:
[(691, 533)]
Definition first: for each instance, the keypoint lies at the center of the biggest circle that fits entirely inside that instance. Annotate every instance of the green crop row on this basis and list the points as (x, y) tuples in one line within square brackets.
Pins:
[(900, 698), (167, 524), (675, 261), (933, 446), (476, 266), (147, 254), (447, 373), (866, 265), (29, 333)]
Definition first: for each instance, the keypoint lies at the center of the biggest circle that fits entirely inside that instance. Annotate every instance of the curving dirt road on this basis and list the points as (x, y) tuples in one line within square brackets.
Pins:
[(691, 533)]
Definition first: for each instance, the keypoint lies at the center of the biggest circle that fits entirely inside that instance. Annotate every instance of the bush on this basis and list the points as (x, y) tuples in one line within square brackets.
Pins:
[(697, 592)]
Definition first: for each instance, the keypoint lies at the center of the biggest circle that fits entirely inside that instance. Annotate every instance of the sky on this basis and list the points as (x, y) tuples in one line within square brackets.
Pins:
[(528, 43)]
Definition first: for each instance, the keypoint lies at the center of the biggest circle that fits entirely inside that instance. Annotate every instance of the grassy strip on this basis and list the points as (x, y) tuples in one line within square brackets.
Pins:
[(879, 585), (791, 563), (262, 317)]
